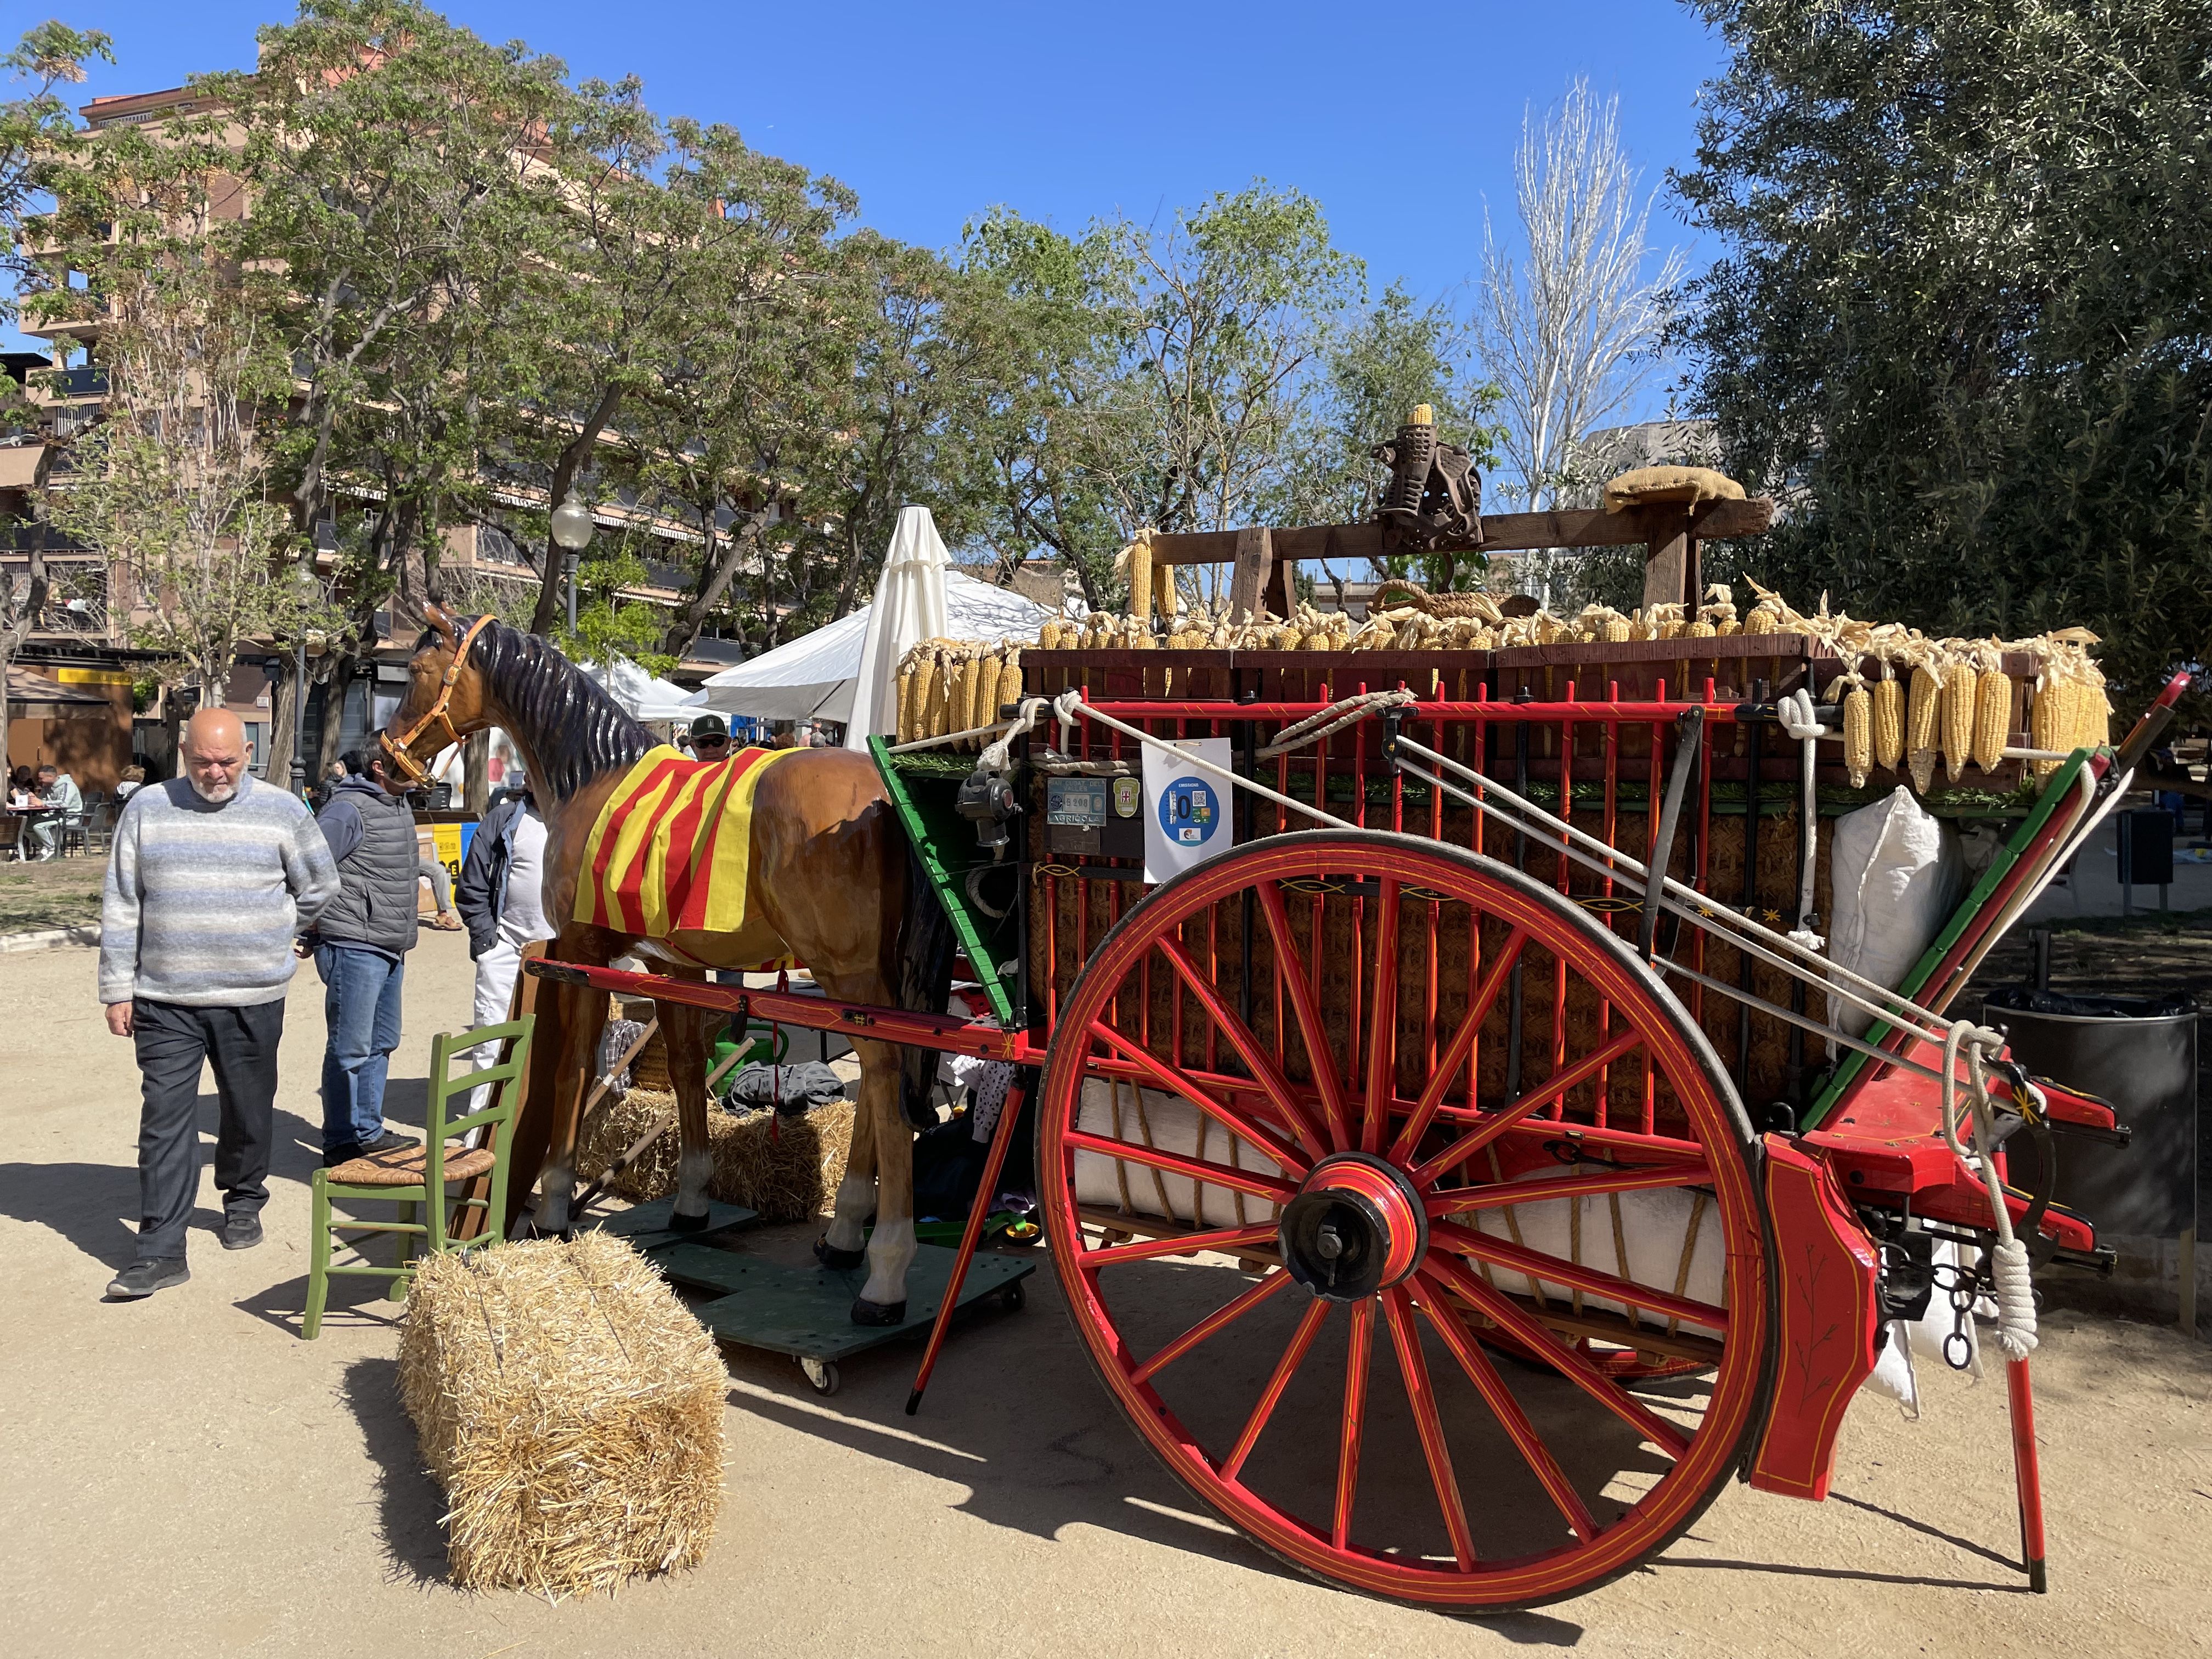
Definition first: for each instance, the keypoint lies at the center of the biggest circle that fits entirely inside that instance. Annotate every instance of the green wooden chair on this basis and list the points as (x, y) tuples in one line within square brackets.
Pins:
[(421, 1177)]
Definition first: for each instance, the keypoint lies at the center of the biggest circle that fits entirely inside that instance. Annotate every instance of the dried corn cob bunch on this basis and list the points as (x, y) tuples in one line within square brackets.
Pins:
[(1850, 688), (1992, 706), (1720, 609), (2072, 709), (1924, 709), (1888, 719)]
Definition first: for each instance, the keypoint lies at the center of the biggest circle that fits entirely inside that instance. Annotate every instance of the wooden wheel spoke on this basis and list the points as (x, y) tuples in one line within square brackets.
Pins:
[(1176, 1081), (1494, 1124), (1382, 1022), (1319, 1056), (1354, 1422), (1220, 1319), (1224, 1238), (1414, 1370), (1197, 1169), (1506, 1408), (1454, 1201), (1455, 1275), (1294, 1355), (1262, 1064), (1453, 1062), (1574, 1275)]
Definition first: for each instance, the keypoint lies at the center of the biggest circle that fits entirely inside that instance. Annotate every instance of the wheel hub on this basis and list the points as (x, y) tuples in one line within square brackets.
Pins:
[(1356, 1226)]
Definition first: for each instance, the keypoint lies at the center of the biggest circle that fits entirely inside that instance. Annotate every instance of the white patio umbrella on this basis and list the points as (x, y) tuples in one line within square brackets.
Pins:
[(908, 608)]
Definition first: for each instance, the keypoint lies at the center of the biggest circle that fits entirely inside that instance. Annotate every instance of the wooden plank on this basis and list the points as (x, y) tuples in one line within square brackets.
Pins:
[(1255, 561), (1670, 557), (1579, 527)]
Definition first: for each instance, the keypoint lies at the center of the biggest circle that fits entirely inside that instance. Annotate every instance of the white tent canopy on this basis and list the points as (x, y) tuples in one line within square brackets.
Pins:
[(643, 695), (908, 608), (813, 676)]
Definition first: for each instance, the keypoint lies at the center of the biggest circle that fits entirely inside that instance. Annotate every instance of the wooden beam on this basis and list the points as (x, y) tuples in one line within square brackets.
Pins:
[(1255, 562), (1501, 532), (1670, 555)]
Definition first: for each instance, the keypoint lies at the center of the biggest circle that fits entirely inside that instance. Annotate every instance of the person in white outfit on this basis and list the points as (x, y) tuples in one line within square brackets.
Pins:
[(502, 903)]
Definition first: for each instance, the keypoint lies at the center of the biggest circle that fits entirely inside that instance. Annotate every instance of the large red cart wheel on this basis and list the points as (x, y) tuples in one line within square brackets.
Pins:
[(1269, 1222)]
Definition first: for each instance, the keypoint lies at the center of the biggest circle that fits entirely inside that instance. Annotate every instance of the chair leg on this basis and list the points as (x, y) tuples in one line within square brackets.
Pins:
[(319, 1258), (398, 1291)]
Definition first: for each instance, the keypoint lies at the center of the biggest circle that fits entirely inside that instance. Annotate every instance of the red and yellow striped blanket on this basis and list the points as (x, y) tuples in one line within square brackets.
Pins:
[(671, 848)]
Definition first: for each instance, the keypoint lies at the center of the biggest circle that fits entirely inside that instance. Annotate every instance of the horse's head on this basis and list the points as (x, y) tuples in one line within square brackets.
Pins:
[(445, 699)]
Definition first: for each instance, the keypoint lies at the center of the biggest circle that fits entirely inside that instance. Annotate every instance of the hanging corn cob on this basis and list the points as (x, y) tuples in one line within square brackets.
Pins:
[(1888, 719), (1959, 679), (1923, 731)]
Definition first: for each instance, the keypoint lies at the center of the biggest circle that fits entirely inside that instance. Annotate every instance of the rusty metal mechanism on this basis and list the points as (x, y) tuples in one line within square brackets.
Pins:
[(1433, 495)]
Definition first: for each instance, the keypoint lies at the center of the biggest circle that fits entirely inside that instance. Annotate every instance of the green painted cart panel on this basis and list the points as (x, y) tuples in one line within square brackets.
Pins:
[(945, 843), (806, 1312), (2062, 783)]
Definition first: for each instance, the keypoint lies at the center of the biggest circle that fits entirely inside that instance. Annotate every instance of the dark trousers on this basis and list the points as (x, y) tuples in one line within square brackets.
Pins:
[(173, 1043)]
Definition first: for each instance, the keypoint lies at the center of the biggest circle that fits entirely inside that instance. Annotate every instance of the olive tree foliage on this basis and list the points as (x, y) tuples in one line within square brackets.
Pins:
[(1569, 329), (1962, 326)]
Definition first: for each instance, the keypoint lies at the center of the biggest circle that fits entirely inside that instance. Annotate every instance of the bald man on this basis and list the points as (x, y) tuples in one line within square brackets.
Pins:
[(213, 876)]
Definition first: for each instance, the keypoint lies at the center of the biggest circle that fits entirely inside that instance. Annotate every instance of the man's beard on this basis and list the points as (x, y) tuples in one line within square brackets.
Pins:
[(214, 794)]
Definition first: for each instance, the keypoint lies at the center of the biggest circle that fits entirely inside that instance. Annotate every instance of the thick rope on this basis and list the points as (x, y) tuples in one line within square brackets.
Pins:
[(2009, 1270), (1345, 711), (1798, 721)]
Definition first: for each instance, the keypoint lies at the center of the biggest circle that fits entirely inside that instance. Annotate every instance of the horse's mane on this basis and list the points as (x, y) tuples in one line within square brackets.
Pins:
[(574, 730)]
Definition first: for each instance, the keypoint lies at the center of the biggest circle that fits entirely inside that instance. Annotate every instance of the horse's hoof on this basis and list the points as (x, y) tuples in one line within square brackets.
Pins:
[(680, 1223), (831, 1256), (865, 1312)]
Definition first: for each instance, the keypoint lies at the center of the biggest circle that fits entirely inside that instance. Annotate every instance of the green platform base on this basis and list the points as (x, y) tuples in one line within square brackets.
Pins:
[(806, 1312), (646, 1225)]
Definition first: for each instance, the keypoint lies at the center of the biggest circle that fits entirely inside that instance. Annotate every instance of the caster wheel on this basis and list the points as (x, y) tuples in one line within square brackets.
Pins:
[(1012, 1297), (821, 1375)]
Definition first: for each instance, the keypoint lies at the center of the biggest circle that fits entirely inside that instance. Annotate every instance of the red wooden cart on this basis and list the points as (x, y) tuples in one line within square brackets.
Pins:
[(1453, 1206)]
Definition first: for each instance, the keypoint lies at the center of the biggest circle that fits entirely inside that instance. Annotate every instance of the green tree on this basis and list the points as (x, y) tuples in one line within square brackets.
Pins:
[(1961, 320), (34, 127)]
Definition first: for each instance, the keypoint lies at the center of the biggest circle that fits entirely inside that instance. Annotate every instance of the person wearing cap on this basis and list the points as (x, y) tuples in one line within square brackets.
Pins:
[(502, 903), (710, 738)]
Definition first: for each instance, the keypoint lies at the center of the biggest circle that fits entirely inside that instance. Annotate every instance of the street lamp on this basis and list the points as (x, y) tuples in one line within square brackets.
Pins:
[(572, 534)]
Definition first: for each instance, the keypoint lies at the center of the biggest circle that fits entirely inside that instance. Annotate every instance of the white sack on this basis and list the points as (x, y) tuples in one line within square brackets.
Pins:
[(1148, 1117), (1898, 877), (1654, 1226)]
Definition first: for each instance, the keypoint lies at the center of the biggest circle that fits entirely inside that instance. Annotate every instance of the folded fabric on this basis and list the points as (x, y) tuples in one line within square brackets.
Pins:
[(790, 1089)]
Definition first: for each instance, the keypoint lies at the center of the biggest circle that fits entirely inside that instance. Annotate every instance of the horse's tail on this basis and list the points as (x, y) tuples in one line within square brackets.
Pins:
[(926, 950)]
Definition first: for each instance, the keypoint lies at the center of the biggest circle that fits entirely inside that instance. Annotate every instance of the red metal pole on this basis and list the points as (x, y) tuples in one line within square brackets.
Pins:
[(1002, 1136), (2027, 1473)]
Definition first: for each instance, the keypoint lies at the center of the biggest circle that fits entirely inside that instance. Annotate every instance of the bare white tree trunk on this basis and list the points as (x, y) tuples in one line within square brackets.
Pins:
[(1571, 332)]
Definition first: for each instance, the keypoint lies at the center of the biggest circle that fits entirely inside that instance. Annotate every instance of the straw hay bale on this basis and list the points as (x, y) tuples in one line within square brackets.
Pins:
[(571, 1407), (785, 1168)]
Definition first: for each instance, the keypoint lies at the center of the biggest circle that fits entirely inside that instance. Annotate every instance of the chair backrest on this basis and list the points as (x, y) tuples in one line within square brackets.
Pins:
[(11, 829), (450, 1075)]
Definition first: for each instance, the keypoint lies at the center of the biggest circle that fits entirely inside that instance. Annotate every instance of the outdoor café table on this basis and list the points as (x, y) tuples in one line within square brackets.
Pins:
[(31, 816)]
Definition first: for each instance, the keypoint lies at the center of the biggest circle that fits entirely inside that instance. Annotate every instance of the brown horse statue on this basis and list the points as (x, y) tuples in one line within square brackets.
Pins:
[(830, 883)]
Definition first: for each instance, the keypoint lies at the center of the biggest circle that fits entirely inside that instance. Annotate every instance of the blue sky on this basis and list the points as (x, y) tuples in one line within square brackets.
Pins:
[(934, 113)]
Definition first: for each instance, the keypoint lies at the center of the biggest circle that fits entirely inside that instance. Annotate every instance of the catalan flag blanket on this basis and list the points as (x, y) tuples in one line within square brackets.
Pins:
[(672, 843)]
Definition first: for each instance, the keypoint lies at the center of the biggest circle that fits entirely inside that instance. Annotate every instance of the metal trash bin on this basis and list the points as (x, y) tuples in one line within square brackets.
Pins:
[(2140, 1054)]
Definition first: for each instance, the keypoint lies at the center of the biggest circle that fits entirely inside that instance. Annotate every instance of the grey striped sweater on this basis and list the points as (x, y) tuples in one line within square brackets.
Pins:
[(204, 900)]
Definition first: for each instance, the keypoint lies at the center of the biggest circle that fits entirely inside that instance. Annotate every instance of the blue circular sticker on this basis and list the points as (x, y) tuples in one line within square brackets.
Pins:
[(1189, 812)]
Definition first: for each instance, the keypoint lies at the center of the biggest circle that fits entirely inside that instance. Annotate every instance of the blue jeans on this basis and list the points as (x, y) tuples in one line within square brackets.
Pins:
[(360, 1007)]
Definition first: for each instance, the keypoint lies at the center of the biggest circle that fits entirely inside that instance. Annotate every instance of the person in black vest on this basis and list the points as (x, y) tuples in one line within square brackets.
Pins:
[(361, 944)]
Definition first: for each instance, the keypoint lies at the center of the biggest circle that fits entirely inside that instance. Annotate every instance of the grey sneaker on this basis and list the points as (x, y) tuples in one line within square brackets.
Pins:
[(143, 1279), (241, 1231)]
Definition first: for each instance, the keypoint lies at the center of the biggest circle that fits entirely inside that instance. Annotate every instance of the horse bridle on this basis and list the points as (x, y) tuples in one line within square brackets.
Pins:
[(397, 753)]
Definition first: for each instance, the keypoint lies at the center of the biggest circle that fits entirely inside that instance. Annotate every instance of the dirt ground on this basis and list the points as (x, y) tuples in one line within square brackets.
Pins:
[(184, 1475)]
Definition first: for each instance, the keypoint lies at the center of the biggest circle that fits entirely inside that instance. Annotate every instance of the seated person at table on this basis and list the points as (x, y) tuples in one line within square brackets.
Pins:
[(58, 790), (21, 789)]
